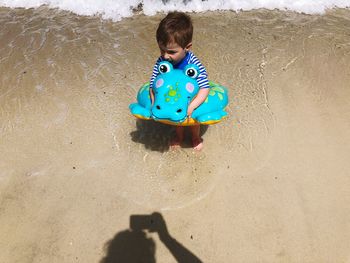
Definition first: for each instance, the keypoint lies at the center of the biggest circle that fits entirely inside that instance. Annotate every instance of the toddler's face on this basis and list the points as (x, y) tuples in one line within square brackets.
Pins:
[(172, 52)]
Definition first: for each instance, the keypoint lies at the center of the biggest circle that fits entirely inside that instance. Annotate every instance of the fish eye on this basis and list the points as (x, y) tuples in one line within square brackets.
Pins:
[(191, 72), (164, 68)]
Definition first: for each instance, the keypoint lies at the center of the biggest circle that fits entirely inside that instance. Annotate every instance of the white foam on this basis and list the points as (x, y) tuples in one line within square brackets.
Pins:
[(117, 9)]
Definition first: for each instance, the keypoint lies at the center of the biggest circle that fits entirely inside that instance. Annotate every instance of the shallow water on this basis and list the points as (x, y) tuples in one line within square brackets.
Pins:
[(68, 139), (68, 82)]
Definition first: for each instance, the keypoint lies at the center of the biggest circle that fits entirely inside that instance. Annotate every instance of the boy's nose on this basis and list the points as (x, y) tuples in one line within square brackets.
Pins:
[(166, 56)]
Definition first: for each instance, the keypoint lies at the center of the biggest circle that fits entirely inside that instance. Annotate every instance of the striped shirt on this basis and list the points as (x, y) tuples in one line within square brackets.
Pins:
[(190, 58)]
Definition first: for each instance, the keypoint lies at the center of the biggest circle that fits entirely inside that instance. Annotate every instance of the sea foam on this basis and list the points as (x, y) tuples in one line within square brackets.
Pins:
[(117, 9)]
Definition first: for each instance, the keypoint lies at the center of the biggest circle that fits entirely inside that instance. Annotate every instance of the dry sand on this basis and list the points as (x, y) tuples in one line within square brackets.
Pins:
[(272, 183)]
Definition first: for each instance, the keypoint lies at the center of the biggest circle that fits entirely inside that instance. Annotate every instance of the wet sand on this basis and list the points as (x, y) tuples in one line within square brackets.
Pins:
[(271, 184)]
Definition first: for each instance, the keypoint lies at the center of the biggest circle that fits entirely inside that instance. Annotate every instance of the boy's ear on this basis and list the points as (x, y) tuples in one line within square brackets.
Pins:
[(188, 47)]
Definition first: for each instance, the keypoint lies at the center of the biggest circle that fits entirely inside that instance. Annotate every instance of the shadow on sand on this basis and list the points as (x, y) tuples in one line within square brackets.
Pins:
[(135, 246), (156, 136)]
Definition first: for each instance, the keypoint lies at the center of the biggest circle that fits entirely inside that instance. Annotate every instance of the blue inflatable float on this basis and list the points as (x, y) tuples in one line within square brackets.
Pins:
[(173, 90)]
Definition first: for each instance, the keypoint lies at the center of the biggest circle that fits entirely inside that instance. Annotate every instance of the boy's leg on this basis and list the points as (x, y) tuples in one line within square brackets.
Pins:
[(197, 141), (179, 137)]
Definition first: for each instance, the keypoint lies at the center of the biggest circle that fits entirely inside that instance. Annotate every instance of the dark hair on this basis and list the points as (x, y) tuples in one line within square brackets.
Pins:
[(177, 27)]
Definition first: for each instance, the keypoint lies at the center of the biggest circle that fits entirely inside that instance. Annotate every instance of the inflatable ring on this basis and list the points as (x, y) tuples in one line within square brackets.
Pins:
[(174, 89)]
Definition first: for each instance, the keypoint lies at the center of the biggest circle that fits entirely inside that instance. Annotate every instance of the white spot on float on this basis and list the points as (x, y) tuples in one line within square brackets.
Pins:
[(189, 87), (159, 83)]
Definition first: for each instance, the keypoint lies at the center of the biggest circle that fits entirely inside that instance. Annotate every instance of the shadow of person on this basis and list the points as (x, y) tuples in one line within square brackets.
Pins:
[(156, 136), (130, 246), (135, 246)]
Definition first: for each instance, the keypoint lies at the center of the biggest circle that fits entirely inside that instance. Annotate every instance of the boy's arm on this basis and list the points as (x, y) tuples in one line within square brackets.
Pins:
[(198, 100), (202, 78), (155, 73), (203, 84), (151, 94)]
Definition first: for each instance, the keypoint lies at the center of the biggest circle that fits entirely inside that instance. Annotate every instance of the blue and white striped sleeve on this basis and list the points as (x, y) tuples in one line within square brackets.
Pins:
[(155, 72), (202, 78)]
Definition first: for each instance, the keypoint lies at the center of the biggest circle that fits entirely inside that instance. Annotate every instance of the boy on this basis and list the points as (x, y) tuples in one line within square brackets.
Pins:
[(174, 38)]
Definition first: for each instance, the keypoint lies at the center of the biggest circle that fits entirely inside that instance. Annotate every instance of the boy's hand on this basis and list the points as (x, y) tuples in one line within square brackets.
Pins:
[(189, 111), (198, 100)]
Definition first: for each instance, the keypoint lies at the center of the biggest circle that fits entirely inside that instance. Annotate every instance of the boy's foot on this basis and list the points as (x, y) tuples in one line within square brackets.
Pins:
[(176, 142), (197, 143)]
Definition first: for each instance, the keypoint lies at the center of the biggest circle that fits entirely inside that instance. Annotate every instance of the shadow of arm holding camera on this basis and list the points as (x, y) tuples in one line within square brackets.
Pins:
[(156, 223)]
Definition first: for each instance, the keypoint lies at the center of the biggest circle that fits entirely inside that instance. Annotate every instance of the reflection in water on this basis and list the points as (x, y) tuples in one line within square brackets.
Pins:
[(131, 246), (156, 136)]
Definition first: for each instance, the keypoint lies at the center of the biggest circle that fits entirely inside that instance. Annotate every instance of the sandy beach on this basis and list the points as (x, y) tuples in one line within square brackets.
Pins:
[(272, 183)]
